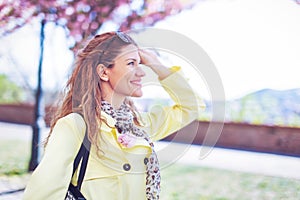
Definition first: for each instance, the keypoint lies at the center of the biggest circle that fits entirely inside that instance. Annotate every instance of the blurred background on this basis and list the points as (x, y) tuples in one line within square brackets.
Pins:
[(254, 45)]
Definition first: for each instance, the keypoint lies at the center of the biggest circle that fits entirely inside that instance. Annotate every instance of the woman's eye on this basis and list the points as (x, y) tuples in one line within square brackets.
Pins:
[(131, 63)]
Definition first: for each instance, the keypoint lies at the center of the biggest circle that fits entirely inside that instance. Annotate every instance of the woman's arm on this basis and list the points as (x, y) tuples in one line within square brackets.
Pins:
[(163, 121), (51, 178)]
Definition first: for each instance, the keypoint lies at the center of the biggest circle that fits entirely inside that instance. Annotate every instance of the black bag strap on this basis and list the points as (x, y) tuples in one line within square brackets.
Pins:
[(83, 154)]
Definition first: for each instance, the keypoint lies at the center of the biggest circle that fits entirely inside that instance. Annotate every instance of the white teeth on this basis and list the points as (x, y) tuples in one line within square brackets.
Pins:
[(139, 84), (136, 82)]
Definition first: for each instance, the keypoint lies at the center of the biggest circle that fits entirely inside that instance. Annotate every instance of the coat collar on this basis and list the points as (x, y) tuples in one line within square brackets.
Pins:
[(109, 127), (111, 122)]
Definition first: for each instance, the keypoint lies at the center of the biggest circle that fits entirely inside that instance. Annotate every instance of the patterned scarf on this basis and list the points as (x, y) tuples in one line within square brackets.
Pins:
[(125, 125)]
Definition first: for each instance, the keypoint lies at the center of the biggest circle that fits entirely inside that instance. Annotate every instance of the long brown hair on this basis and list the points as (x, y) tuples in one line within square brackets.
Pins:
[(83, 90)]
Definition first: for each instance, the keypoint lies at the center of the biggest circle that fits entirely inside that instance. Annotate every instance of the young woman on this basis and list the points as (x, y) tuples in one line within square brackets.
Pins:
[(123, 164)]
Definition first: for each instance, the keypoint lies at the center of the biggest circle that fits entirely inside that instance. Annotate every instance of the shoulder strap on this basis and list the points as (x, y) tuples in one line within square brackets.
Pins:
[(83, 154)]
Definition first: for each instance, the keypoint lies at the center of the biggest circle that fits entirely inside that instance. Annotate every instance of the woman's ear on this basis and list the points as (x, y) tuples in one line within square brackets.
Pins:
[(102, 73)]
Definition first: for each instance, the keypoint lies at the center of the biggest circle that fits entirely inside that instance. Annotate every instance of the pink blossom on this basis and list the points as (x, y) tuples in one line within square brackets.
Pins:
[(127, 140)]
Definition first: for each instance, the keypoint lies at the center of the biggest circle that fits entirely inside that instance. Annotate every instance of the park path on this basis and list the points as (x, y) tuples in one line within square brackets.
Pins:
[(12, 187)]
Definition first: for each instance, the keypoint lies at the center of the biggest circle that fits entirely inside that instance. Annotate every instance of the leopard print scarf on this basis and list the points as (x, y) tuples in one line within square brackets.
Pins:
[(126, 126)]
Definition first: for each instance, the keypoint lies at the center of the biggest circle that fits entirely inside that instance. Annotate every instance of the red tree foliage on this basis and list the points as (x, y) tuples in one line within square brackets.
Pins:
[(83, 18)]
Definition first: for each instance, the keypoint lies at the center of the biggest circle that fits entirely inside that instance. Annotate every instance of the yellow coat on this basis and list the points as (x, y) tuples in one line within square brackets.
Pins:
[(109, 177)]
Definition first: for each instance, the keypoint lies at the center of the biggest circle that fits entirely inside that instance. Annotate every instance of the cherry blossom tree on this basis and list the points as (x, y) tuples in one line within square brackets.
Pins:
[(83, 18)]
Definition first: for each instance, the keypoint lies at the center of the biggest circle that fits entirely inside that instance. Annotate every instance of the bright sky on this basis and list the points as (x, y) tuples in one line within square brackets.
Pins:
[(254, 44), (19, 55)]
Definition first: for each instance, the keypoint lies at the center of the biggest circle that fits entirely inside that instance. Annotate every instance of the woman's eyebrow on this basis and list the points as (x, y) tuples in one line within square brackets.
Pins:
[(131, 59), (134, 59)]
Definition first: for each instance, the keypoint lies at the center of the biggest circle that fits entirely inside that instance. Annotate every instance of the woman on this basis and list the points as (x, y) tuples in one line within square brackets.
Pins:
[(122, 162)]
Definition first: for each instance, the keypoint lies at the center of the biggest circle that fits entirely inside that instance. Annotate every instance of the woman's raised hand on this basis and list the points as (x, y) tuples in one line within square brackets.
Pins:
[(151, 60)]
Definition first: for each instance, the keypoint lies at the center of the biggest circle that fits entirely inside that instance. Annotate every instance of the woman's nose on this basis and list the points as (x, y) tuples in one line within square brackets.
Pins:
[(140, 72)]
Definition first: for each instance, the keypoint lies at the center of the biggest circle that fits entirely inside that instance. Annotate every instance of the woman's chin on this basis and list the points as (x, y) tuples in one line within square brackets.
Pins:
[(137, 93)]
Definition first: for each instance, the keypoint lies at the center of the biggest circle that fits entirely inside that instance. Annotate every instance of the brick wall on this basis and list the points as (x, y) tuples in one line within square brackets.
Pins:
[(260, 138), (20, 114)]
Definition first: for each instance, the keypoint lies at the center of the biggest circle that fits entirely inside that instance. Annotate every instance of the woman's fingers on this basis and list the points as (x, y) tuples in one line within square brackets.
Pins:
[(148, 58)]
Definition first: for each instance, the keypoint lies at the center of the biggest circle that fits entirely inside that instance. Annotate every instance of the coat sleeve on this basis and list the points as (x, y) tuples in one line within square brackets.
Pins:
[(52, 176), (162, 121)]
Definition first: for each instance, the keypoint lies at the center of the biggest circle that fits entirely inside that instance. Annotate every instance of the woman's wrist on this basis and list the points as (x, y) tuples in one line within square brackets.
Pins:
[(161, 71)]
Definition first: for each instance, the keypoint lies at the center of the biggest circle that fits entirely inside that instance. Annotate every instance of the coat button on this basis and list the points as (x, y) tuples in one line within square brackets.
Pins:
[(146, 160), (126, 167)]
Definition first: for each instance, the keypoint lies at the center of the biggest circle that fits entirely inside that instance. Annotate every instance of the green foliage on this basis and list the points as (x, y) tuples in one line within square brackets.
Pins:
[(9, 91), (270, 107)]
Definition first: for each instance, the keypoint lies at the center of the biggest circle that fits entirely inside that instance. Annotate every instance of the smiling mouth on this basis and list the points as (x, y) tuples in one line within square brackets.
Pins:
[(137, 83)]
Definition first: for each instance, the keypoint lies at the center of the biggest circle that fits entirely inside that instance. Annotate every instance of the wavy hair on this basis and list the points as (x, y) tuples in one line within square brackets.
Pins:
[(83, 92)]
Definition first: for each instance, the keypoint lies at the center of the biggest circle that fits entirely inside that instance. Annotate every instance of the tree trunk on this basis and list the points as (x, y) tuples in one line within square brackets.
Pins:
[(39, 109)]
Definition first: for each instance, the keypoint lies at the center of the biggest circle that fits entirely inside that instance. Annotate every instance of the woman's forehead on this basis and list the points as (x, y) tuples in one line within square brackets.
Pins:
[(129, 51)]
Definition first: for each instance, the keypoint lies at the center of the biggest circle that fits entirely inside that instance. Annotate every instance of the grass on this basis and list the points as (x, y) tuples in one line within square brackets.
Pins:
[(179, 182), (198, 183), (14, 156)]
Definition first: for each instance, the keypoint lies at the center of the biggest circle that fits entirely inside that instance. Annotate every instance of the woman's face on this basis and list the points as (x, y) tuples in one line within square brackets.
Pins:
[(126, 75)]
